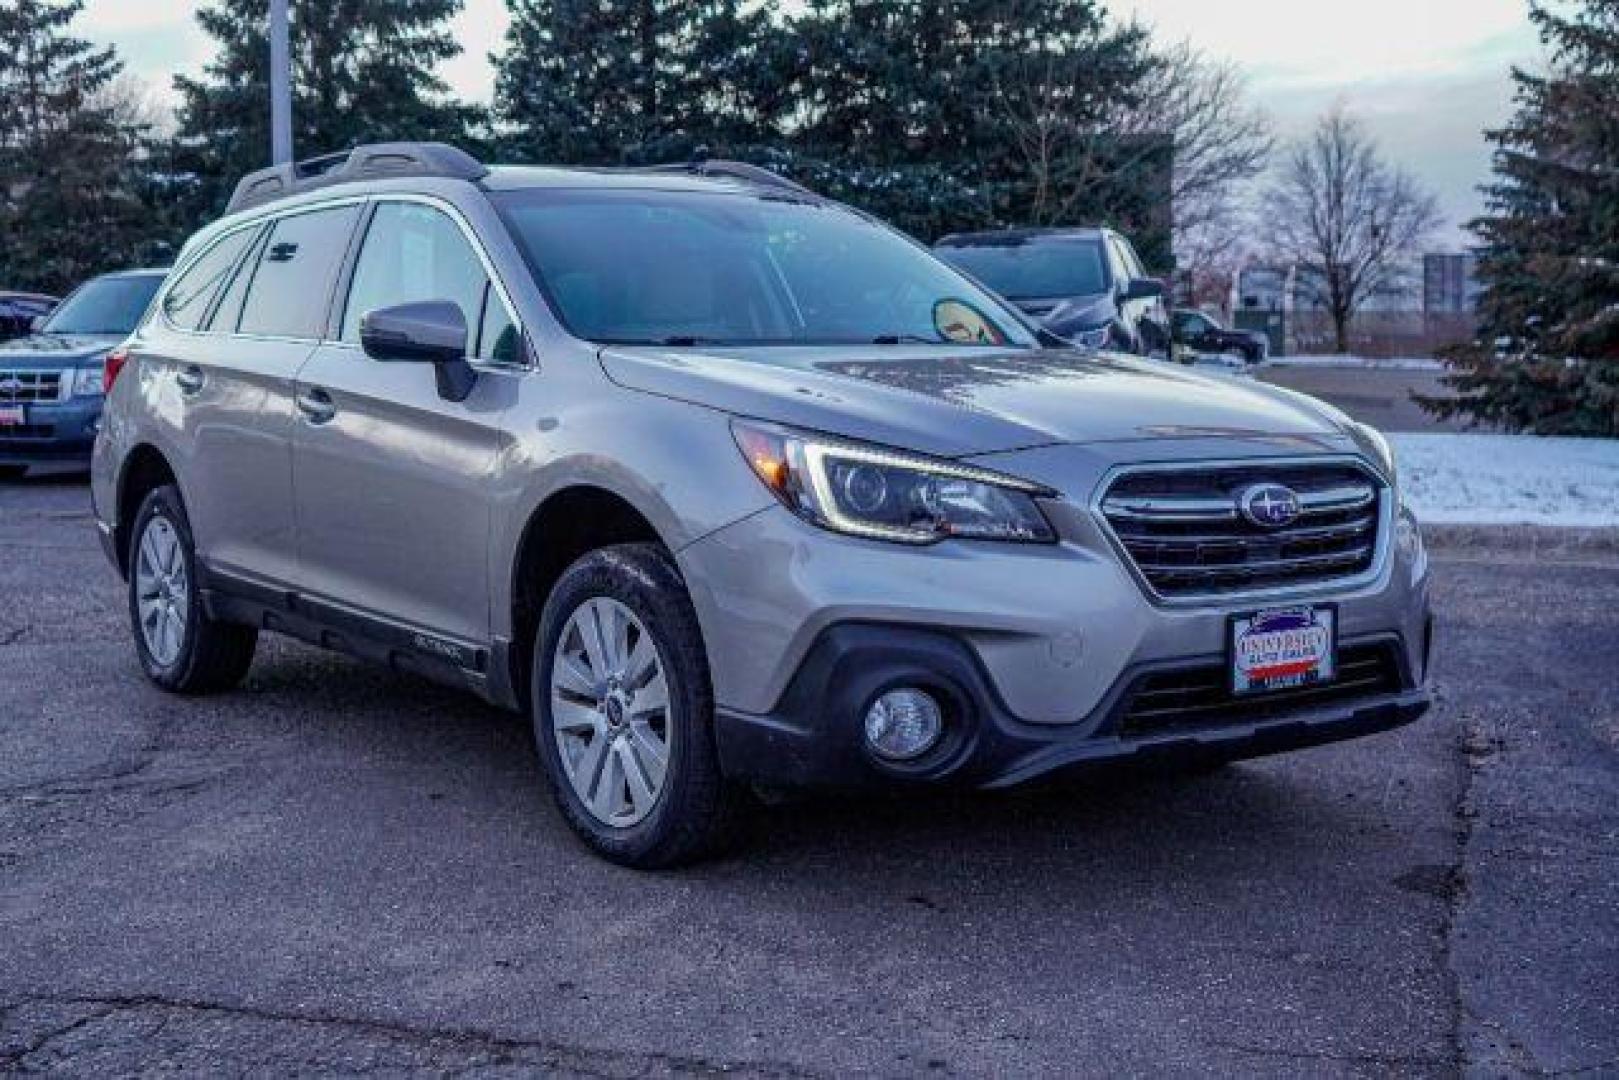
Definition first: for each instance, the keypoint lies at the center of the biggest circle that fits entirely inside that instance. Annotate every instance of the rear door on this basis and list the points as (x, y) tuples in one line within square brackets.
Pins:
[(393, 483), (240, 333)]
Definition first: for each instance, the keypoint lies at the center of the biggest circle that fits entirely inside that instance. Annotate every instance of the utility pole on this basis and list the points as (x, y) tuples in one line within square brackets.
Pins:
[(280, 85)]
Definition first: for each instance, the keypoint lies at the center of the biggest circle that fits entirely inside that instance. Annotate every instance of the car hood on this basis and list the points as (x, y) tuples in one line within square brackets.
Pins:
[(956, 402), (1076, 312), (55, 350)]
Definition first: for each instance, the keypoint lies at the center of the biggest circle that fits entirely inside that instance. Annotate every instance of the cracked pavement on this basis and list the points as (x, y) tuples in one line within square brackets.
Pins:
[(337, 869)]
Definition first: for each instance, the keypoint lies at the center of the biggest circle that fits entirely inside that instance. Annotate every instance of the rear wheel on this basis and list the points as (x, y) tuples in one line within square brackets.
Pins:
[(180, 647), (623, 711)]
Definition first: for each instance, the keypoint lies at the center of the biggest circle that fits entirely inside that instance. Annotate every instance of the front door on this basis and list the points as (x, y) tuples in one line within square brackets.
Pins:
[(392, 482)]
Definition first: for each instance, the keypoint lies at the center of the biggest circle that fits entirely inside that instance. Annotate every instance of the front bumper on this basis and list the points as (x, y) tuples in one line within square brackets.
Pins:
[(814, 738), (1038, 645), (52, 433)]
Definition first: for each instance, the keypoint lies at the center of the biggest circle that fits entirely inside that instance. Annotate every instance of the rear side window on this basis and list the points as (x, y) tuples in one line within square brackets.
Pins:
[(228, 312), (187, 302), (412, 253), (293, 274)]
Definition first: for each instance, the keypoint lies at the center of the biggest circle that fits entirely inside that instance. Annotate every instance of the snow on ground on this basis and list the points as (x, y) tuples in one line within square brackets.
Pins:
[(1399, 363), (1474, 478)]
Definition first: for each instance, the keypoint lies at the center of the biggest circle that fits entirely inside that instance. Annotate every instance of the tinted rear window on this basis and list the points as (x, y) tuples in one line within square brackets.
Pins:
[(293, 275), (1040, 269), (110, 305)]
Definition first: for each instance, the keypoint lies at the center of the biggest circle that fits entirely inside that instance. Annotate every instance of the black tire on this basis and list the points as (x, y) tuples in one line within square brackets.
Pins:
[(212, 655), (697, 808)]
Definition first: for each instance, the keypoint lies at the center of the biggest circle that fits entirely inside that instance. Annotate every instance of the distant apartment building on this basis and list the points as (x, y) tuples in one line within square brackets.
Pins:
[(1450, 283), (1412, 315)]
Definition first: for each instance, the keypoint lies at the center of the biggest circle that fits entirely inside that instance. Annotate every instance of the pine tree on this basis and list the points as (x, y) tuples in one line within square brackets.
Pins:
[(69, 201), (607, 82), (362, 71), (952, 114), (1547, 357)]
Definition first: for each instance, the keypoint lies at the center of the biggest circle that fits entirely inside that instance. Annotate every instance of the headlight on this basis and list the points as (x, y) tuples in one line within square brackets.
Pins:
[(888, 495), (87, 381), (1376, 444)]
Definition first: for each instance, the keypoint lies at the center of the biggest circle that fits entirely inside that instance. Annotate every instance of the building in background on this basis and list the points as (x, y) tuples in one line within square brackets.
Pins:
[(1450, 283)]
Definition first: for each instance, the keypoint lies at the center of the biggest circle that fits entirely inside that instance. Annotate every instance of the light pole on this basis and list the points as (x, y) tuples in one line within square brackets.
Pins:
[(280, 86)]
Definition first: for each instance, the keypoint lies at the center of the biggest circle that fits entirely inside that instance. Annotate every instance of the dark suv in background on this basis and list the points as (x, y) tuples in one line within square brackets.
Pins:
[(51, 381), (1087, 286), (1204, 333)]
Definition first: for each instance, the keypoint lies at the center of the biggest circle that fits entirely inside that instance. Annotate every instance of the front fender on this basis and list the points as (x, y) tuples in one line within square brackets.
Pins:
[(675, 463)]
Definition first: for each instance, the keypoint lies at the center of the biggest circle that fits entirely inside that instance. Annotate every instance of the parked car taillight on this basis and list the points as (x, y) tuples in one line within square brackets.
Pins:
[(114, 364)]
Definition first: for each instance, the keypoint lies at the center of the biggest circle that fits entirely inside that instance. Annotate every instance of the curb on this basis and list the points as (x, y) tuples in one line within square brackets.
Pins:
[(1568, 544)]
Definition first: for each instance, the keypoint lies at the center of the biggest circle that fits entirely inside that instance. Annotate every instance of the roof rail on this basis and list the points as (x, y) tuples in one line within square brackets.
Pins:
[(371, 162), (734, 170)]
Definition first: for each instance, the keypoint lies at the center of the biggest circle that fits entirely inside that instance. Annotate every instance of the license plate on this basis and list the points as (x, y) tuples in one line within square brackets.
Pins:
[(1283, 648), (12, 416)]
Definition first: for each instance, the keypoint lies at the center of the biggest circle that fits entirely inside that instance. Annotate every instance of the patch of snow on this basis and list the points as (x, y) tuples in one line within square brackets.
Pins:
[(1475, 478), (1399, 363)]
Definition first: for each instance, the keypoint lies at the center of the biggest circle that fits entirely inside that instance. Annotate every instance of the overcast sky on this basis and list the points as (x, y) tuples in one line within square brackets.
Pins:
[(1427, 75)]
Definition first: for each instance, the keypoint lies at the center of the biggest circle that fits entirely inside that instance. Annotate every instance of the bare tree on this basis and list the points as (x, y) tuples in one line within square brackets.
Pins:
[(1071, 147), (1345, 217), (1222, 144)]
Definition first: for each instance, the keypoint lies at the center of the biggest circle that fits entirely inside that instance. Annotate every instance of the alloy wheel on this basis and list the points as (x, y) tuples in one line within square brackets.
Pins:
[(610, 712), (162, 590)]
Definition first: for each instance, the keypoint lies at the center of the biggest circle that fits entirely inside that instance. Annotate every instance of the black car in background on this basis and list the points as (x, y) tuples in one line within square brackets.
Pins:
[(1086, 286), (18, 310), (1203, 333)]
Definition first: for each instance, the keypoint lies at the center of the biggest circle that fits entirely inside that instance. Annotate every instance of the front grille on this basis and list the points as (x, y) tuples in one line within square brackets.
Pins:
[(1202, 698), (1185, 532), (19, 387)]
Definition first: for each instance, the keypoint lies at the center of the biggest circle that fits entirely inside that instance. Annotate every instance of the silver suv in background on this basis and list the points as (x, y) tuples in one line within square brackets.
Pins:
[(727, 485)]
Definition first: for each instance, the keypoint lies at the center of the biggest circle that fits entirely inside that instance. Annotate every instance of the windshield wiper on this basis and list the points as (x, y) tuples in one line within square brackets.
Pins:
[(905, 339)]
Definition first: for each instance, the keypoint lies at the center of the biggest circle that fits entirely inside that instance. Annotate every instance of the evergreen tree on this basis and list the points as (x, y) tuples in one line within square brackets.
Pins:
[(362, 71), (69, 194), (1547, 357), (953, 114), (607, 82)]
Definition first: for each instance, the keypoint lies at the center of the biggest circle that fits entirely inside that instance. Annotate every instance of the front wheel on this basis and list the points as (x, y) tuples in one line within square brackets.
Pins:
[(180, 648), (623, 711)]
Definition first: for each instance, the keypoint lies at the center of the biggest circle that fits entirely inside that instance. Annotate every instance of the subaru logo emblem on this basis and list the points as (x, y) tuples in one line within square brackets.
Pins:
[(1269, 506)]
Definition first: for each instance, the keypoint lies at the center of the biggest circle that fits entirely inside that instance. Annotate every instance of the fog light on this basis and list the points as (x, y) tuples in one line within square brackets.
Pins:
[(903, 724)]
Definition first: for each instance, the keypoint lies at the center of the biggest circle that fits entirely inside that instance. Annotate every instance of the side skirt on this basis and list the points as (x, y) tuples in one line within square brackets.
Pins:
[(233, 597)]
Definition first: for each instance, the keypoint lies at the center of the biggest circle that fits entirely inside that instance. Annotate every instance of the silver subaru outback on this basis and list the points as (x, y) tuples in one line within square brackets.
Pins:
[(730, 487)]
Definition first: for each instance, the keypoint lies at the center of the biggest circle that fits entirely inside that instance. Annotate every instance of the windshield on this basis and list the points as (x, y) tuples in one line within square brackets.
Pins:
[(695, 268), (104, 306), (1035, 270)]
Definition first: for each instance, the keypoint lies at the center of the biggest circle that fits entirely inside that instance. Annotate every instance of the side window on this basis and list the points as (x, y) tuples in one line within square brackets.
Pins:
[(498, 339), (293, 275), (187, 302), (414, 252), (228, 312)]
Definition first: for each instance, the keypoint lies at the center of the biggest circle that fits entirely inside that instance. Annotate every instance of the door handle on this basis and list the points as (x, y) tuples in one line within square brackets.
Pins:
[(189, 379), (316, 404)]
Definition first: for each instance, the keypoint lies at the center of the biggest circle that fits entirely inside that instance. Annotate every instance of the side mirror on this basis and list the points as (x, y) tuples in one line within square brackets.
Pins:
[(1143, 288), (427, 332)]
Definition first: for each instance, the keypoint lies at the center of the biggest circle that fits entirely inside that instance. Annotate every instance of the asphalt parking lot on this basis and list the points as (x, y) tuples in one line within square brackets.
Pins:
[(339, 869)]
